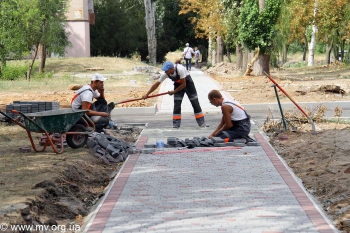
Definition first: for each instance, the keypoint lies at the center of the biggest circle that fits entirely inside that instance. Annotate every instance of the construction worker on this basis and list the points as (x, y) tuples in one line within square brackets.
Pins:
[(183, 83), (235, 122), (99, 111)]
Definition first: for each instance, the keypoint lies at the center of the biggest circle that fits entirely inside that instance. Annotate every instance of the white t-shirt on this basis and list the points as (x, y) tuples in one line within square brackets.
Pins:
[(197, 53), (178, 69), (237, 113), (188, 51), (87, 96)]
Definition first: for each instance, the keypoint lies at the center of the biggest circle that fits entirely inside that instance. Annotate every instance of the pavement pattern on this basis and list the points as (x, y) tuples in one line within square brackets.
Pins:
[(205, 189)]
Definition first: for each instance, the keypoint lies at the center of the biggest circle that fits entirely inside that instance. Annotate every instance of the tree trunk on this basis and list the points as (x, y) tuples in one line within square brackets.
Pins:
[(29, 71), (262, 65), (228, 54), (312, 45), (329, 45), (150, 9), (42, 57), (261, 5), (246, 59), (239, 55), (342, 46), (220, 49), (305, 48), (284, 54), (210, 57), (336, 52)]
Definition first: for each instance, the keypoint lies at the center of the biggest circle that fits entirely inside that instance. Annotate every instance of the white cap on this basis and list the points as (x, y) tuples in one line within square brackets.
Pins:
[(98, 77), (187, 44)]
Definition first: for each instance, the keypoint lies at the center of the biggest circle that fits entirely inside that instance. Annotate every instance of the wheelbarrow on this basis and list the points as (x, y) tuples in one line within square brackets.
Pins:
[(62, 122)]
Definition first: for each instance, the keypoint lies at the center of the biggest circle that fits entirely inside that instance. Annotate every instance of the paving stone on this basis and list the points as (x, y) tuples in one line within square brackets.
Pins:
[(253, 144), (191, 145), (210, 142), (240, 140), (204, 143), (221, 144), (172, 140), (238, 144), (149, 145), (182, 142), (196, 142), (230, 144), (217, 139), (148, 150)]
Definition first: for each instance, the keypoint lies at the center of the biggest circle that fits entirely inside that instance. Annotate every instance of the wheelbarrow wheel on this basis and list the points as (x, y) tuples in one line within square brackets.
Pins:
[(77, 140)]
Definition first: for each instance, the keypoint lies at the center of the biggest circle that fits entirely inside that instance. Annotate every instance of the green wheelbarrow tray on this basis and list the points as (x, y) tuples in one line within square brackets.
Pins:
[(62, 122), (54, 121)]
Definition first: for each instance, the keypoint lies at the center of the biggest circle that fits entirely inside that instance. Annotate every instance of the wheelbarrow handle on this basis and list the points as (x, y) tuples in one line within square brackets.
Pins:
[(150, 96), (31, 121)]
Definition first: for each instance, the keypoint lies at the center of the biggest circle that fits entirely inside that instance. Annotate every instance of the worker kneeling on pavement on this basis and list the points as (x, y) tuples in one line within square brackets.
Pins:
[(99, 111), (235, 122)]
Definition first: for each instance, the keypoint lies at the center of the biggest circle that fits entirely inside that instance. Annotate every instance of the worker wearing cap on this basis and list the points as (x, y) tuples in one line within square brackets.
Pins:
[(98, 111), (183, 83)]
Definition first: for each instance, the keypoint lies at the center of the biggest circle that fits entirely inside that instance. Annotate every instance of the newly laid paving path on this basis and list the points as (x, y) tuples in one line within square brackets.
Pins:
[(211, 189)]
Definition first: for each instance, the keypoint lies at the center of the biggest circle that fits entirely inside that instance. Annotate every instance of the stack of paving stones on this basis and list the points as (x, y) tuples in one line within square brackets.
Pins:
[(30, 107), (174, 142), (109, 148)]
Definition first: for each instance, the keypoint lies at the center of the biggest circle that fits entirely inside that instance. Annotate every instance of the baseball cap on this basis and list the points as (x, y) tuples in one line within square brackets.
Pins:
[(98, 77), (167, 65)]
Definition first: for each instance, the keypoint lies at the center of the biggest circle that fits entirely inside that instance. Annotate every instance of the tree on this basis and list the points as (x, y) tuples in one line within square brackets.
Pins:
[(232, 8), (12, 30), (257, 29), (26, 24), (119, 29), (208, 21), (54, 37), (150, 9)]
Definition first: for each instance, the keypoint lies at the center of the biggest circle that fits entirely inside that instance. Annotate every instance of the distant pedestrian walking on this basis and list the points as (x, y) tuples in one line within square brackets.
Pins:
[(188, 52), (197, 55), (183, 83)]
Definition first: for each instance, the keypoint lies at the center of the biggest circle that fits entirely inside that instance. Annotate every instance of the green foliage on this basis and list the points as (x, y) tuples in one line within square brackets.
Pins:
[(258, 29), (298, 64), (208, 65), (295, 47), (320, 48), (119, 29), (13, 72), (27, 23), (42, 76), (274, 60)]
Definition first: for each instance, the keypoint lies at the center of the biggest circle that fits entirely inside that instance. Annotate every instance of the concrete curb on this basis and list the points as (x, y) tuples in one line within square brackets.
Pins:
[(134, 110)]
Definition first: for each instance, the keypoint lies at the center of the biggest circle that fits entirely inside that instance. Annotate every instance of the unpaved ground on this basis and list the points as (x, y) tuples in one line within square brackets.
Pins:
[(49, 183)]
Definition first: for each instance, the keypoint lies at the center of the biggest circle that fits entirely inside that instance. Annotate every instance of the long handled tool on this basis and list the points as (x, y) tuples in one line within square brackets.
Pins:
[(286, 94), (150, 96)]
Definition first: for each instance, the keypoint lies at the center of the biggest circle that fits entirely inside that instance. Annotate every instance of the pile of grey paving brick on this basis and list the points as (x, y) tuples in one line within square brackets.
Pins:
[(109, 148), (31, 107), (174, 142)]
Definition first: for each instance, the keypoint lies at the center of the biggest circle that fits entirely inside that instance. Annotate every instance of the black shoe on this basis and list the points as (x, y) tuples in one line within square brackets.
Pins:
[(111, 106)]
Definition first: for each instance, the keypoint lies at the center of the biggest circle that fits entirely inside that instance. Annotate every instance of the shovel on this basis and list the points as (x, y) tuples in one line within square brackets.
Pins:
[(150, 96)]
